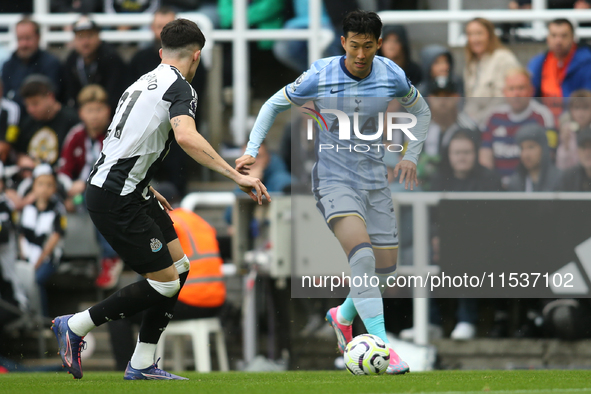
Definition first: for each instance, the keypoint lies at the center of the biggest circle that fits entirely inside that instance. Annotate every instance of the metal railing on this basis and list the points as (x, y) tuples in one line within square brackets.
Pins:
[(317, 37), (420, 202)]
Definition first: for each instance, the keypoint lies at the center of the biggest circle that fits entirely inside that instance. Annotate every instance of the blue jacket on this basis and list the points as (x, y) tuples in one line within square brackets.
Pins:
[(15, 71), (578, 74)]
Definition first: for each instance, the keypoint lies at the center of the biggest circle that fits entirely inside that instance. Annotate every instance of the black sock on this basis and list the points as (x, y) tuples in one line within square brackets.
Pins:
[(126, 302), (157, 316)]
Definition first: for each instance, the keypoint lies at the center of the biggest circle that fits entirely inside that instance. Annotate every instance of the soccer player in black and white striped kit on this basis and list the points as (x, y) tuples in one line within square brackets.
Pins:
[(131, 215)]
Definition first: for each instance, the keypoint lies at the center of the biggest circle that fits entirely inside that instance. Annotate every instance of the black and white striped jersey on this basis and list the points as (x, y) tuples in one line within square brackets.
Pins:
[(140, 134), (10, 114), (37, 226)]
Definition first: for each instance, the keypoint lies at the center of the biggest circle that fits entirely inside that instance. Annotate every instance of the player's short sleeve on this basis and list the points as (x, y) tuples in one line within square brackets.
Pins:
[(303, 89), (405, 92), (182, 98)]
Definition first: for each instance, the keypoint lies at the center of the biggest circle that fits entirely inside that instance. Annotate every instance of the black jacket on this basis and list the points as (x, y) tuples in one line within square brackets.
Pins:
[(575, 180), (14, 72), (108, 70)]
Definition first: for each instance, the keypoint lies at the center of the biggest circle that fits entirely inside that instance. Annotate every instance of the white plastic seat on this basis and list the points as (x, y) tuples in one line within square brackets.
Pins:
[(199, 330)]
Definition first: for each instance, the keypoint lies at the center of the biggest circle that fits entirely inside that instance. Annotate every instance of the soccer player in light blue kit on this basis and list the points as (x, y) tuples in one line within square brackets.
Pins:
[(351, 185)]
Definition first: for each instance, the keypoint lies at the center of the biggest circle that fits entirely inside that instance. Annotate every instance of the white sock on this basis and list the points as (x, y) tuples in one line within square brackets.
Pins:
[(183, 265), (341, 319), (143, 356), (81, 323)]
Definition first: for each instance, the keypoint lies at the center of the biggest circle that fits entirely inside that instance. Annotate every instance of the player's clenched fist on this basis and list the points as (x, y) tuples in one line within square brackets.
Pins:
[(243, 162)]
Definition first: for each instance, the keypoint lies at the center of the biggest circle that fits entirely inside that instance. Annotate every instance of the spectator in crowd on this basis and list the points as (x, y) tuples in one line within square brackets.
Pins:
[(24, 173), (499, 149), (42, 226), (84, 142), (204, 292), (294, 54), (336, 9), (76, 6), (438, 70), (28, 59), (10, 114), (10, 289), (578, 178), (577, 117), (146, 60), (396, 47), (535, 172), (44, 130), (446, 119), (563, 68), (81, 150), (93, 62), (127, 6), (261, 14), (487, 61), (459, 170)]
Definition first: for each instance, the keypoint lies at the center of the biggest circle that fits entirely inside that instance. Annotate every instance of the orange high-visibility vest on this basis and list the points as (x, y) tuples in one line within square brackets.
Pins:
[(204, 287)]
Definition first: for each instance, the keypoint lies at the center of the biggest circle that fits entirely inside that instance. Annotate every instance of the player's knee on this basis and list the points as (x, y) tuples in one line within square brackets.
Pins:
[(167, 289)]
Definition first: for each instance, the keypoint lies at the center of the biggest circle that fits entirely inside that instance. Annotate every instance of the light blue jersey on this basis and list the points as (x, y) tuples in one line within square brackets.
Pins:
[(353, 161)]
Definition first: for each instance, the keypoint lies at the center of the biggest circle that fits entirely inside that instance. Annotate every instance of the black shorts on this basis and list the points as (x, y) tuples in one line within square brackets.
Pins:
[(138, 229)]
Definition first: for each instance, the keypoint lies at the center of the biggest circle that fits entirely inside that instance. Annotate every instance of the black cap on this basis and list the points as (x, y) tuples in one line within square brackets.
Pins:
[(583, 136), (84, 23)]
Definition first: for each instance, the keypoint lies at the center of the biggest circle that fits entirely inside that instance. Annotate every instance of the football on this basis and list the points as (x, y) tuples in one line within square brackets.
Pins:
[(366, 354)]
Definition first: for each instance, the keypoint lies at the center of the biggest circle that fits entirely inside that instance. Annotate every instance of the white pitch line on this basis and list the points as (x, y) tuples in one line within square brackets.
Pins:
[(537, 391)]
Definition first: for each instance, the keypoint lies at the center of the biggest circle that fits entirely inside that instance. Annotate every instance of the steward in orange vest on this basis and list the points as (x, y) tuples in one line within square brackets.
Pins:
[(205, 287)]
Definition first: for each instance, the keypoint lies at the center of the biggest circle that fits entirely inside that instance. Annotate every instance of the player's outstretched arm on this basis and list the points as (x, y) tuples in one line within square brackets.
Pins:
[(203, 153), (269, 111)]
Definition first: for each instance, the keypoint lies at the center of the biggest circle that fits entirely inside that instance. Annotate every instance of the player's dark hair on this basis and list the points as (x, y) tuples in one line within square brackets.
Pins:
[(362, 22), (562, 21), (27, 19), (36, 85), (181, 33)]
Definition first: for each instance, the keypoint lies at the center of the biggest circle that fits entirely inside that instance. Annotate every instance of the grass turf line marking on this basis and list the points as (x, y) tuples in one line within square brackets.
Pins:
[(573, 390)]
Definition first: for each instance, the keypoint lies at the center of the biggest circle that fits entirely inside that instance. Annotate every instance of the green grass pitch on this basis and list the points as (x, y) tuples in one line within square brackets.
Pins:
[(506, 382)]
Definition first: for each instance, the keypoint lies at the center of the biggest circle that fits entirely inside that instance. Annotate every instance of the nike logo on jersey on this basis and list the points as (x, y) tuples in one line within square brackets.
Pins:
[(335, 91)]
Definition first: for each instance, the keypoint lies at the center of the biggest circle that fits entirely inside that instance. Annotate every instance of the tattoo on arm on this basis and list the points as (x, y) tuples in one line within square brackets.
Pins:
[(176, 122), (208, 155)]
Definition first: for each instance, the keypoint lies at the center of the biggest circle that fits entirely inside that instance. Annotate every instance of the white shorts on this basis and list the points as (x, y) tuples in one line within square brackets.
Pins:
[(374, 207)]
